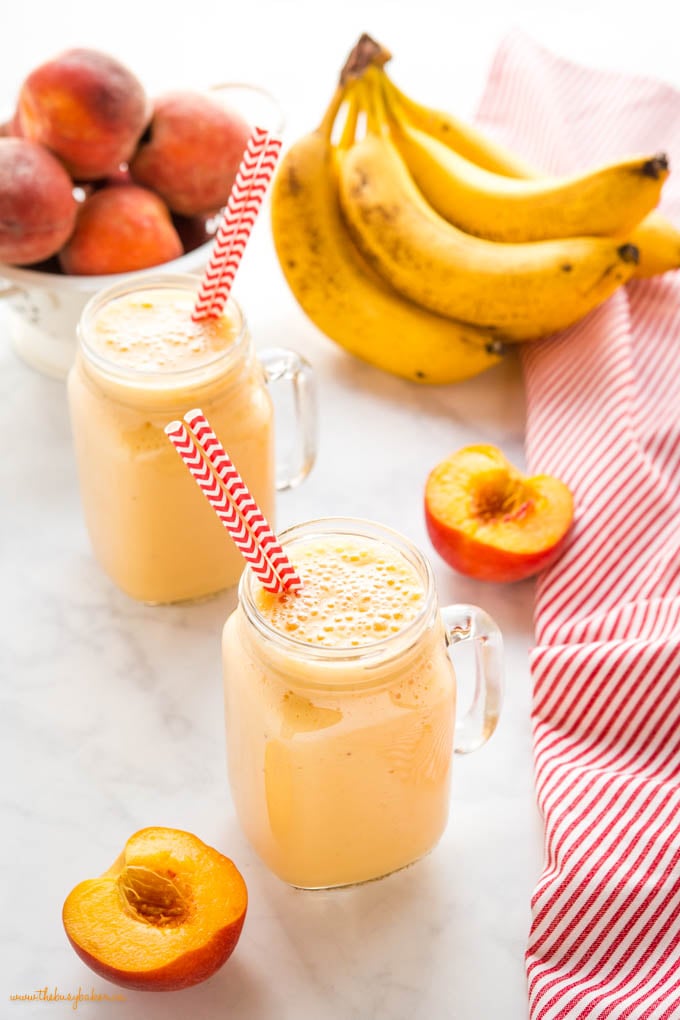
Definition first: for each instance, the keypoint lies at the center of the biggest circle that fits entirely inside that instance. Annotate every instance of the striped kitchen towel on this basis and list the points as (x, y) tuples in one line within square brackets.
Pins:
[(603, 414)]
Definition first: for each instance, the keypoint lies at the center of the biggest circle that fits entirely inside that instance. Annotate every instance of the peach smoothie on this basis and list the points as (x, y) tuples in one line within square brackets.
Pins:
[(340, 706), (142, 362)]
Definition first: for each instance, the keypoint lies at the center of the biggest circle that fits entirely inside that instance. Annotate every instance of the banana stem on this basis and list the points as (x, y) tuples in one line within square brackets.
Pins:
[(349, 128), (376, 113), (366, 53), (395, 97), (326, 126)]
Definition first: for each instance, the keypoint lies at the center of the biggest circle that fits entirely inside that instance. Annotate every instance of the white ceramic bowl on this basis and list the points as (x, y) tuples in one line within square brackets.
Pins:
[(43, 309)]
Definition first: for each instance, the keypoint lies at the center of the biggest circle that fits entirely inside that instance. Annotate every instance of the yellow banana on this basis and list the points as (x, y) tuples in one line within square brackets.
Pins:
[(525, 291), (342, 295), (608, 202), (657, 240), (463, 138)]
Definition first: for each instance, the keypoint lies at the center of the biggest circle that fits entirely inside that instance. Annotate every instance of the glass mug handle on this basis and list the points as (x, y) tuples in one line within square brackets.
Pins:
[(282, 365), (469, 623)]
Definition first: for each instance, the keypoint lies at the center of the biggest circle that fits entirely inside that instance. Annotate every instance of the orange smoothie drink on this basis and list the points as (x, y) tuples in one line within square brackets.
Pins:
[(340, 708), (141, 363)]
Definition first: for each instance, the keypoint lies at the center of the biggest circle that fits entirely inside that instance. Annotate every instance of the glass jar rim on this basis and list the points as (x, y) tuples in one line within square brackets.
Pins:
[(159, 281), (376, 651)]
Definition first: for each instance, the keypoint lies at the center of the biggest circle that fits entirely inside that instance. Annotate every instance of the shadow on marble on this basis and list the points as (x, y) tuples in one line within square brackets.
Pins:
[(492, 402)]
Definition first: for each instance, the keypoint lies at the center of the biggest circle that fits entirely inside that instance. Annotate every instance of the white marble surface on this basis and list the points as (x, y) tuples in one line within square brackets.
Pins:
[(112, 712)]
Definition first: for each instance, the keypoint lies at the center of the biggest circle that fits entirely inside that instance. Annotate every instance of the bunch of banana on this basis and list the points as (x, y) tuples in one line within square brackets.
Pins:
[(340, 292), (657, 240), (423, 248)]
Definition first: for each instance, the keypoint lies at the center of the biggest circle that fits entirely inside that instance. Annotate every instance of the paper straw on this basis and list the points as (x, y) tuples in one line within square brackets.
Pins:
[(254, 174), (240, 230), (235, 203), (246, 506), (226, 509), (212, 490)]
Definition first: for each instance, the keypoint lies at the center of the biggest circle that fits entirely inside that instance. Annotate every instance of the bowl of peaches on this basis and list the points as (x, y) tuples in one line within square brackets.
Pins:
[(98, 181)]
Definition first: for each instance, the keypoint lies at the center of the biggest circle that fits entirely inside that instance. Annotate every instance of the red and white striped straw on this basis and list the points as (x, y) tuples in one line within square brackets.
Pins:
[(241, 228), (246, 506), (253, 177), (265, 557)]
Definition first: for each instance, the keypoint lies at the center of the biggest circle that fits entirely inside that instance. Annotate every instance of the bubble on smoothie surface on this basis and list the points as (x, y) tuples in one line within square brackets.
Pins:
[(153, 330), (355, 591)]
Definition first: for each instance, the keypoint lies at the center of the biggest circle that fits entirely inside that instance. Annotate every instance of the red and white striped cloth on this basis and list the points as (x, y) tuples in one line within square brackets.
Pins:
[(603, 413)]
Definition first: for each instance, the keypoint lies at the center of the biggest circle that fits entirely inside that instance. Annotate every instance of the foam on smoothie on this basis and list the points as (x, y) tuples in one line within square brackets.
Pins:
[(152, 330), (355, 591)]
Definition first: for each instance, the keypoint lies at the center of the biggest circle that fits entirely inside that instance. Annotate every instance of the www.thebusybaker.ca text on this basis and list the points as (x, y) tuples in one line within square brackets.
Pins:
[(75, 998)]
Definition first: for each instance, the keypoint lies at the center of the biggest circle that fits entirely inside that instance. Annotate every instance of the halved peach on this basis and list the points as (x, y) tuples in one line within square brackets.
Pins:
[(489, 521), (166, 915)]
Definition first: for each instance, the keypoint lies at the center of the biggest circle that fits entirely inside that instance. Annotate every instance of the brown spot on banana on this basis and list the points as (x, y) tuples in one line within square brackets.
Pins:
[(314, 241), (293, 181), (359, 183)]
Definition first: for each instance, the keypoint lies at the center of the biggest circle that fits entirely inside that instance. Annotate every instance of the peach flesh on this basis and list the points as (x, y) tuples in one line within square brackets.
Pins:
[(490, 522), (166, 915)]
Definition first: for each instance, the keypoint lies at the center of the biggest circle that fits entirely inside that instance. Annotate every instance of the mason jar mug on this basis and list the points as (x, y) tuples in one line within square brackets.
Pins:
[(341, 705), (141, 363)]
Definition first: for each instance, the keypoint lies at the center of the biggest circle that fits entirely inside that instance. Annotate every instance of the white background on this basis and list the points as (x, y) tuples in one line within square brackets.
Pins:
[(112, 712)]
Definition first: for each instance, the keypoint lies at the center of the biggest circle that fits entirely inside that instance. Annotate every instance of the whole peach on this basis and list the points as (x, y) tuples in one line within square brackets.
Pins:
[(191, 152), (88, 108), (120, 229), (37, 206)]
